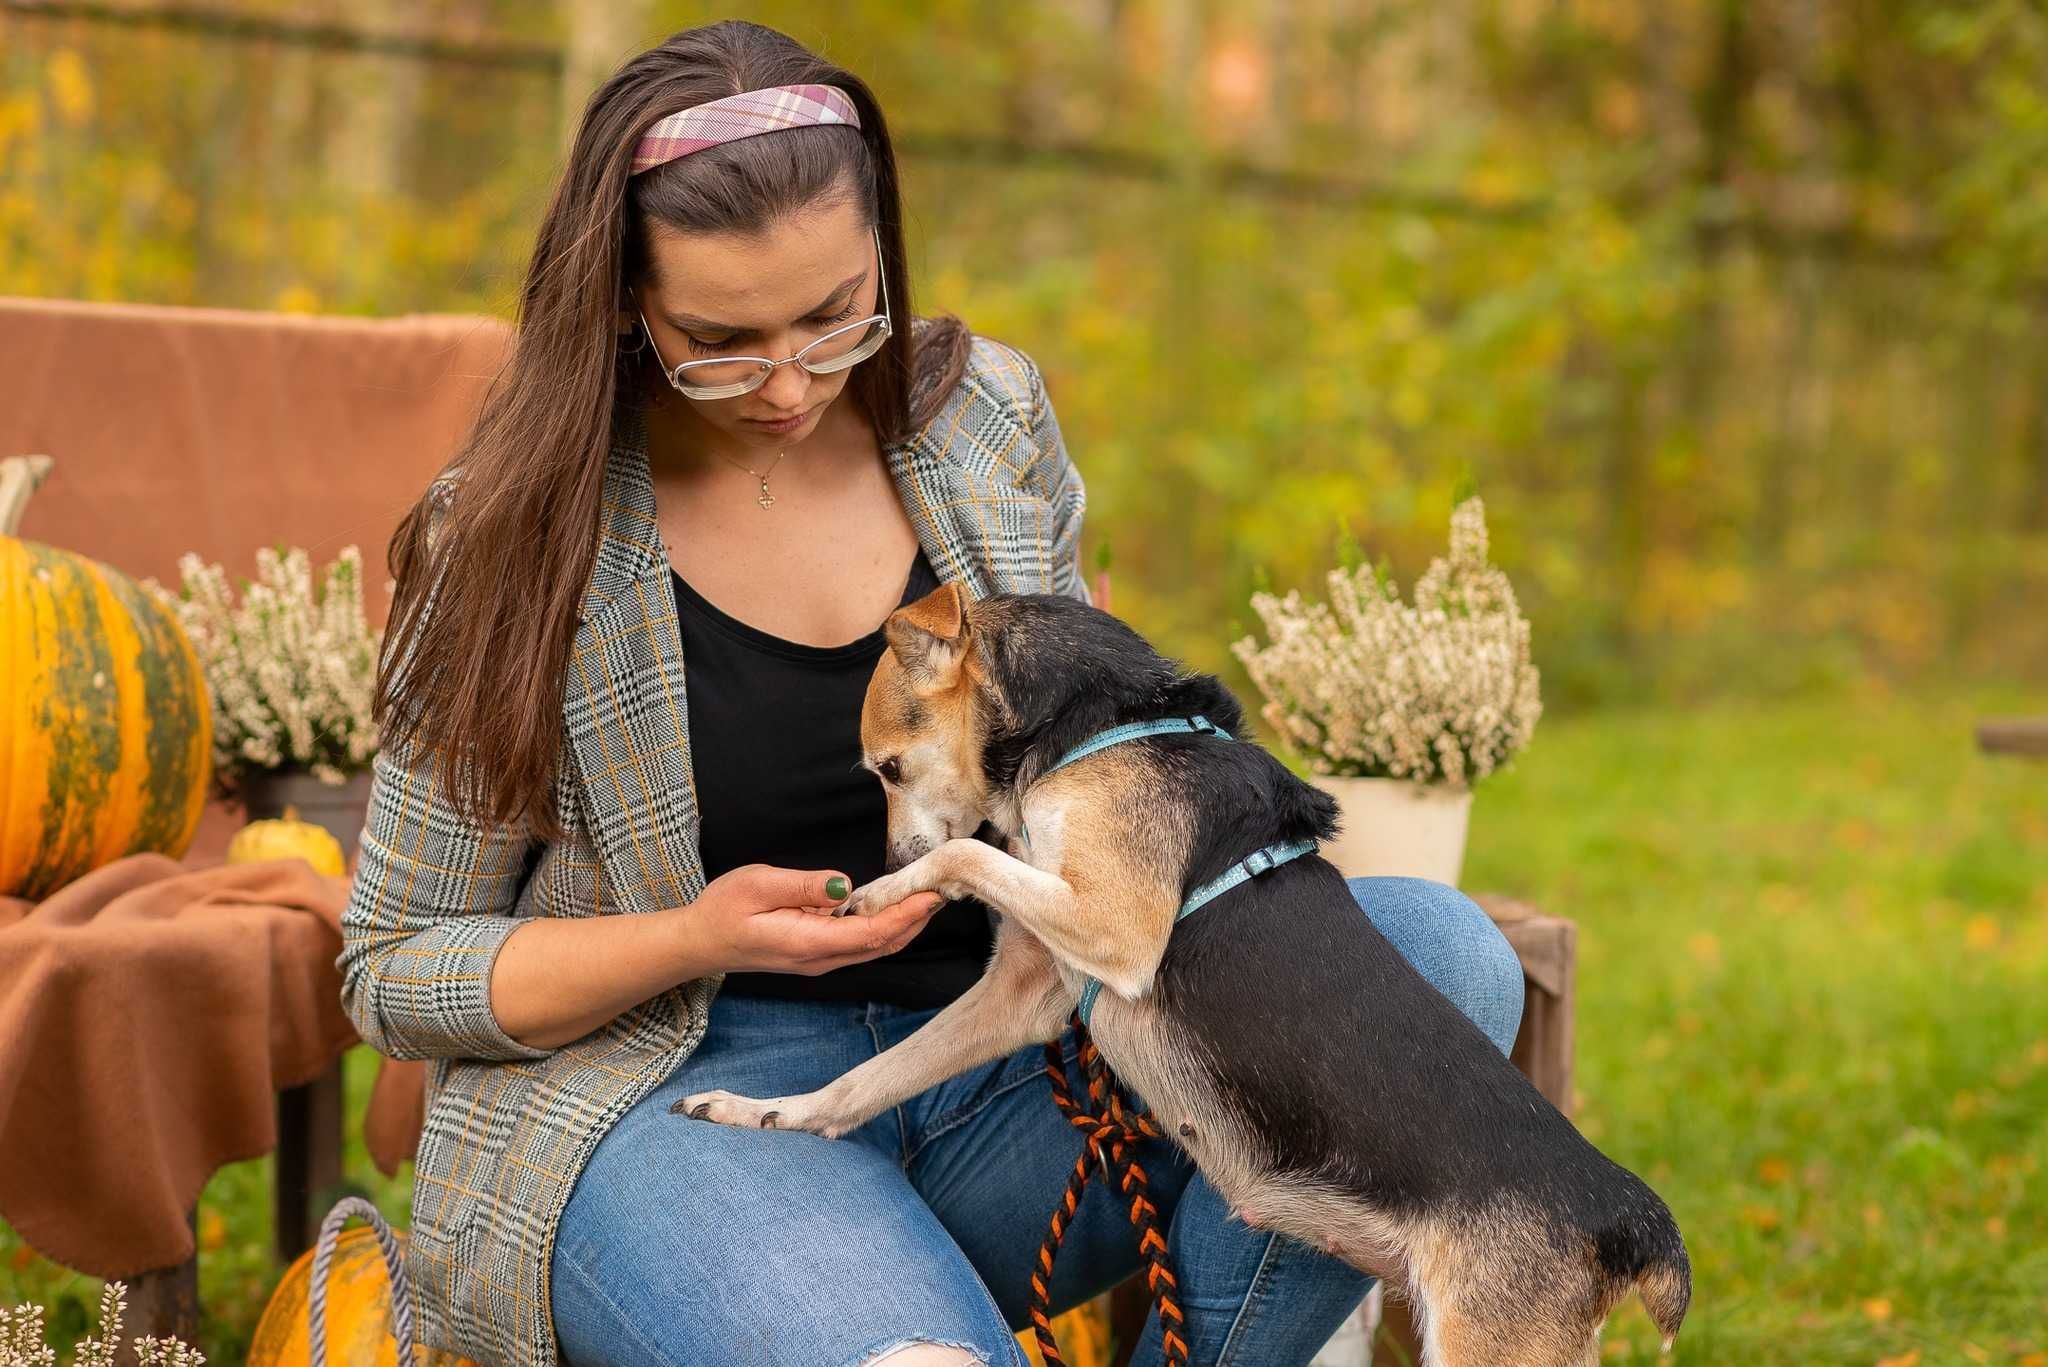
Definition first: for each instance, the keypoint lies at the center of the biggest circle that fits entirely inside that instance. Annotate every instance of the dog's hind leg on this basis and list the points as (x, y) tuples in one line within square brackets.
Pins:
[(1450, 1339), (1020, 1000), (1496, 1290)]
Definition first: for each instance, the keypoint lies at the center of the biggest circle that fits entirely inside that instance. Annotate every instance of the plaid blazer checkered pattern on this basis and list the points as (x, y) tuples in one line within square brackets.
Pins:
[(996, 504)]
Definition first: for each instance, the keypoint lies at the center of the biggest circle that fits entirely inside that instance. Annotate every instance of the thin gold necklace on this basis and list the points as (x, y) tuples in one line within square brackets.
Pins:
[(766, 499)]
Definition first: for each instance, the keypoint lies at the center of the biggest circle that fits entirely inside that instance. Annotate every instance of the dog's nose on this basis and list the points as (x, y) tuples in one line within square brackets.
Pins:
[(906, 852)]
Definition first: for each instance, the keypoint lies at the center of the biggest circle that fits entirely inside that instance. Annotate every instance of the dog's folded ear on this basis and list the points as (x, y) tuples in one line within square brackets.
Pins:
[(929, 637)]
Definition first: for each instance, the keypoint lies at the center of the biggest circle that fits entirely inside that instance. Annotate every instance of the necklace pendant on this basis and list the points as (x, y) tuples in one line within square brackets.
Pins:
[(766, 500)]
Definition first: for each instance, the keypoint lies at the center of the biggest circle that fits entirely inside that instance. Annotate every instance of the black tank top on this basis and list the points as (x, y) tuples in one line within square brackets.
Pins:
[(775, 745)]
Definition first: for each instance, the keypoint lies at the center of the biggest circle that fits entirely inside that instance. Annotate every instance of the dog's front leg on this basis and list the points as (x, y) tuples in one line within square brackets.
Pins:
[(1019, 1001), (1108, 923)]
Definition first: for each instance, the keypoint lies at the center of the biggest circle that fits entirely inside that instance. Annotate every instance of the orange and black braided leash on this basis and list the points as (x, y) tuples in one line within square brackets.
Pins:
[(1110, 1136)]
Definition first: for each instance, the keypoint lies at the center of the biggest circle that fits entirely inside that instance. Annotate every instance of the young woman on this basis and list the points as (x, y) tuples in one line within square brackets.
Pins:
[(591, 878)]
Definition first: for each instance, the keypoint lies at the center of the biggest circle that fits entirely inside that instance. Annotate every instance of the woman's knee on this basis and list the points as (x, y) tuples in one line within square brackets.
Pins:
[(1453, 944), (927, 1355)]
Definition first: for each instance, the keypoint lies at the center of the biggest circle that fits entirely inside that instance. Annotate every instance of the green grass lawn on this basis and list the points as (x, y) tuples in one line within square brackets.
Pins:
[(1813, 1013)]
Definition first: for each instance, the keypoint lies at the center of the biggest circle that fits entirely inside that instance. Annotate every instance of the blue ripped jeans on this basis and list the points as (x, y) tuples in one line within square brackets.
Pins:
[(692, 1243)]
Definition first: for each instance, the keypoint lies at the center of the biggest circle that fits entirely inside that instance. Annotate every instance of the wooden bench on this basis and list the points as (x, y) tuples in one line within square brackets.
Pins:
[(192, 462), (1548, 947), (2024, 736), (309, 1125), (307, 1160)]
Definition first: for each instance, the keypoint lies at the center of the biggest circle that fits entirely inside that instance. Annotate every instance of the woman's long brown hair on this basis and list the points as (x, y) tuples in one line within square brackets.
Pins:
[(513, 547)]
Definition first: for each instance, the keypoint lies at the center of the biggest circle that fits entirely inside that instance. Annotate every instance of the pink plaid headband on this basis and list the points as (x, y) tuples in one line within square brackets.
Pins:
[(742, 116)]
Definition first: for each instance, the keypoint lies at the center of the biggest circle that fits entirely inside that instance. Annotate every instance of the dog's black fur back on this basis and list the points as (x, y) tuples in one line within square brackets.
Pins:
[(1313, 1025)]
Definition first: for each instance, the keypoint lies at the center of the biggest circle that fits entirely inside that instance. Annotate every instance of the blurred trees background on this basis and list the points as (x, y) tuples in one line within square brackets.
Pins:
[(1736, 310)]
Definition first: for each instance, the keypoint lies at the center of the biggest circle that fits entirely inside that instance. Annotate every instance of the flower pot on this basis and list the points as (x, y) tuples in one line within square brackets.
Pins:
[(340, 810), (1394, 828)]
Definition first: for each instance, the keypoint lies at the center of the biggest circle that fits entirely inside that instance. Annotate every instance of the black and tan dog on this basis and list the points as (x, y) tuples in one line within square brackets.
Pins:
[(1324, 1087)]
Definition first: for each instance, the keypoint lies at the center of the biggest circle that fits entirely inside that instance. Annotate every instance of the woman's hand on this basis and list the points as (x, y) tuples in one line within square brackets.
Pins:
[(763, 919), (557, 978)]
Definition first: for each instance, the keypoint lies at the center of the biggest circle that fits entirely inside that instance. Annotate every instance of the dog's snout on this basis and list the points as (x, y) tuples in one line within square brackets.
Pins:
[(903, 852)]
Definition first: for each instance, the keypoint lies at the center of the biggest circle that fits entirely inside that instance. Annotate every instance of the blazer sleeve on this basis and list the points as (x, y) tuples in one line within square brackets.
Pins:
[(1068, 495), (429, 909)]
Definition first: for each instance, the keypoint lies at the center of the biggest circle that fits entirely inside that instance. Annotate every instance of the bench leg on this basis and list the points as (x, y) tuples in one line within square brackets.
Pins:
[(308, 1158), (1544, 1046), (164, 1300)]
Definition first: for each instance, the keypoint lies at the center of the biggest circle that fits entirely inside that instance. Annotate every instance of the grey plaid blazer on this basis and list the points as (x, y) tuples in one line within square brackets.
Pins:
[(996, 504)]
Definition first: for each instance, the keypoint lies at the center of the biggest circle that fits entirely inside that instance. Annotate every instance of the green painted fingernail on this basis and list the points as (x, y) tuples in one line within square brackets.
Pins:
[(835, 887)]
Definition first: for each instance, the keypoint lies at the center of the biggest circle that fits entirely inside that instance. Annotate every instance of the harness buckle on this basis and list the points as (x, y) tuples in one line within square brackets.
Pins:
[(1258, 861)]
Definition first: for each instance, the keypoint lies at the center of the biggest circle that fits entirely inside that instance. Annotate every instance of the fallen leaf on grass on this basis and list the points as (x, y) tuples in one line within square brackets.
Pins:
[(1760, 1217), (1878, 1308), (1906, 1359), (1981, 931)]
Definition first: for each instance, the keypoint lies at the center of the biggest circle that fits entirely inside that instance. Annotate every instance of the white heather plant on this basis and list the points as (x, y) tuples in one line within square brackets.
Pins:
[(22, 1343), (1440, 690), (292, 672)]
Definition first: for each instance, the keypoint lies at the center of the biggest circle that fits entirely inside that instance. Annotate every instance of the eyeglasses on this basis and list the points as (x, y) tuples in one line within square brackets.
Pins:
[(727, 377)]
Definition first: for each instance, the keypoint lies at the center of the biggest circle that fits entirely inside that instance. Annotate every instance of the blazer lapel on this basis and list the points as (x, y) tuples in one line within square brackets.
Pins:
[(975, 525), (624, 709), (934, 494)]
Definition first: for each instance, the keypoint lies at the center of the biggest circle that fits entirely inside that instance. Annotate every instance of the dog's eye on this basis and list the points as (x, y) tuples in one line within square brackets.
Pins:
[(890, 770)]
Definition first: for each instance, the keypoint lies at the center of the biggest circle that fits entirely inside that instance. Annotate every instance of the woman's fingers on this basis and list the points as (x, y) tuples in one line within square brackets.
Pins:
[(855, 939), (820, 889)]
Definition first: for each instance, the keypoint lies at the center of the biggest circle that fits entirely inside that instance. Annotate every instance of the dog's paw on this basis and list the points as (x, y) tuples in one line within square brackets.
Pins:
[(870, 899), (811, 1113), (724, 1108)]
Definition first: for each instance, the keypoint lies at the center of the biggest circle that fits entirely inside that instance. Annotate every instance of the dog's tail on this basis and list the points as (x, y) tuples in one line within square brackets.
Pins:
[(1665, 1279)]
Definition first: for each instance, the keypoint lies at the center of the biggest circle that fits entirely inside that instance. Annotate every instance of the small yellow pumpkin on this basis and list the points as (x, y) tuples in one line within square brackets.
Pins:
[(287, 837), (104, 713), (358, 1312), (1084, 1335)]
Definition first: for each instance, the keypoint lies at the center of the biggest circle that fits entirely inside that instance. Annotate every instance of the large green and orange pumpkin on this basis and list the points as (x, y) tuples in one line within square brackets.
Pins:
[(106, 729), (358, 1312)]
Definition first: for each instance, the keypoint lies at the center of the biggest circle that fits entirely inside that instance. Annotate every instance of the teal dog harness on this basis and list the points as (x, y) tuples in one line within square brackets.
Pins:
[(1243, 871)]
